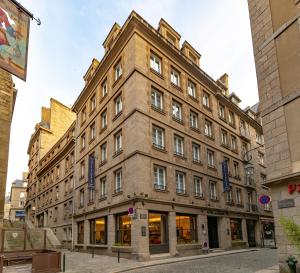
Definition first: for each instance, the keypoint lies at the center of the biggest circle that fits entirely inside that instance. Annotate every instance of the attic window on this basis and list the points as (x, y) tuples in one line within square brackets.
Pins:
[(171, 39), (192, 57)]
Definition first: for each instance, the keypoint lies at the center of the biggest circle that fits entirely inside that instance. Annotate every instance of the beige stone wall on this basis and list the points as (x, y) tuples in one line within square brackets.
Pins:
[(7, 101)]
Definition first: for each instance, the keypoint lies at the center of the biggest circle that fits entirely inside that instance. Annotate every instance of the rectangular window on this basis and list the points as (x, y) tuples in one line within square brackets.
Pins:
[(155, 63), (205, 99), (222, 111), (82, 141), (104, 119), (123, 226), (233, 143), (191, 89), (82, 169), (213, 190), (180, 182), (158, 137), (186, 229), (92, 132), (259, 138), (236, 229), (103, 152), (231, 119), (118, 105), (118, 70), (92, 103), (104, 88), (118, 181), (81, 198), (196, 152), (238, 196), (224, 138), (229, 198), (118, 142), (103, 190), (98, 231), (177, 110), (83, 115), (175, 77), (208, 128), (198, 186), (236, 172), (193, 120), (80, 234), (260, 158), (178, 145), (57, 171), (159, 178), (91, 196), (210, 159), (157, 99)]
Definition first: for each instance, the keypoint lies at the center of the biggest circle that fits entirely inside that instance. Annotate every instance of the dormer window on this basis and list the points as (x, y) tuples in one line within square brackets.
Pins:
[(118, 70), (155, 63), (175, 77), (171, 39)]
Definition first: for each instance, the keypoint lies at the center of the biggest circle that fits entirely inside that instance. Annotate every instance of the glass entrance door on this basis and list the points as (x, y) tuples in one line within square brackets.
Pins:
[(158, 235)]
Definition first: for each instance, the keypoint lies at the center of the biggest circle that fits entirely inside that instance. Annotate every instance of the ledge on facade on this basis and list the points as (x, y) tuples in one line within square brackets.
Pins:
[(117, 193), (222, 118), (93, 111), (193, 98), (195, 129), (79, 245), (207, 108), (157, 109), (102, 163), (199, 196), (210, 137), (124, 248), (117, 115), (225, 146), (159, 148), (117, 80), (179, 156), (182, 194), (213, 168), (177, 120), (103, 129), (157, 74), (102, 198), (198, 162), (91, 140), (176, 86), (117, 153), (240, 205), (97, 246), (188, 246)]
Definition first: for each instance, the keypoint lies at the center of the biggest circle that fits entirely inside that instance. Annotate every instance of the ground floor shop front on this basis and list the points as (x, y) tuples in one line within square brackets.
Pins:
[(156, 228)]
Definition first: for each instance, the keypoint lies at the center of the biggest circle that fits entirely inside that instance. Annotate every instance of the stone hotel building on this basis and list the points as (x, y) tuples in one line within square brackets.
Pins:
[(151, 132)]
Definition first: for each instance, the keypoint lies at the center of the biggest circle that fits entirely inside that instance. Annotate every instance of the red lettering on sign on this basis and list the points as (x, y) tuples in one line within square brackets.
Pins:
[(292, 188)]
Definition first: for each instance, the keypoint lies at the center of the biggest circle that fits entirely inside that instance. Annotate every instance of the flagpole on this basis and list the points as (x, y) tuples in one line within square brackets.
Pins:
[(27, 12)]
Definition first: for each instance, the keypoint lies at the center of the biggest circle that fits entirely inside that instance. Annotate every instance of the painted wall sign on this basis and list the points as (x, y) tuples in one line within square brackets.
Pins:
[(293, 188), (286, 203)]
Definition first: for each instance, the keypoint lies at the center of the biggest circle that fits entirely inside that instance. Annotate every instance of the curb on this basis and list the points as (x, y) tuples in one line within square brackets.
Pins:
[(184, 259)]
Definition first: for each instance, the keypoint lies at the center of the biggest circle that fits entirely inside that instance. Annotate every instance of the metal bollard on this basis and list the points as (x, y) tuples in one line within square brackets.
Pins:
[(118, 255), (64, 263)]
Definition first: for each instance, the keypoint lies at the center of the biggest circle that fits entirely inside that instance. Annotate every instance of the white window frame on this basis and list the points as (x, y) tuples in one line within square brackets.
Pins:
[(196, 152), (239, 196), (205, 99), (118, 180), (175, 77), (191, 89), (177, 110), (213, 195), (157, 99), (118, 142), (93, 103), (158, 136), (224, 137), (159, 174), (103, 148), (198, 186), (208, 128), (92, 131), (155, 62), (118, 105), (104, 88), (118, 70), (210, 159), (178, 145), (103, 187), (104, 119), (193, 120), (180, 182)]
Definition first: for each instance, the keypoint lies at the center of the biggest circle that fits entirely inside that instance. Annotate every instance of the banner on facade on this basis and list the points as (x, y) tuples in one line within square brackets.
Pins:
[(226, 185), (14, 33), (91, 174)]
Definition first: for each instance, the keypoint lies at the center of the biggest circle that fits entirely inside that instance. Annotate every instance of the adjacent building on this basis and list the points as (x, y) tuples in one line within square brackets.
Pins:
[(152, 132), (276, 44), (7, 102), (17, 199), (50, 178)]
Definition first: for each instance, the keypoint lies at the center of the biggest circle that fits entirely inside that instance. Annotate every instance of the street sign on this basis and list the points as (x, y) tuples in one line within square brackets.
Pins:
[(264, 199)]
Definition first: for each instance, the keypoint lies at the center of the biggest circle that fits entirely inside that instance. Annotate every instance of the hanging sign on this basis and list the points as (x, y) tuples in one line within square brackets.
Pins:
[(226, 185), (14, 33)]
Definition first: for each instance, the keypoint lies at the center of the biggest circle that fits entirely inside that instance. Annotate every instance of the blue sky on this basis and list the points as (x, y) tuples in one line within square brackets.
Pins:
[(72, 33)]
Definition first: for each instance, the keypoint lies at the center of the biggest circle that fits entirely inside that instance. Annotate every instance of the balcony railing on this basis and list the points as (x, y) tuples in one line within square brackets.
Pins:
[(161, 187), (252, 207)]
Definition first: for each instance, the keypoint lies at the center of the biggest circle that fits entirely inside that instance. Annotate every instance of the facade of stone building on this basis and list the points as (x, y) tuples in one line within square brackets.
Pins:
[(152, 132), (7, 101), (276, 43), (50, 179), (17, 199)]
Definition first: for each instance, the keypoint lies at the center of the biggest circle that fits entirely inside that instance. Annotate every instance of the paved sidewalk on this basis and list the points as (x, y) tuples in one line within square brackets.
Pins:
[(273, 269), (84, 263)]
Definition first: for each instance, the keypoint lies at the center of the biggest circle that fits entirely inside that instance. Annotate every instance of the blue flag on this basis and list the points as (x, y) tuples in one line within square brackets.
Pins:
[(91, 174), (226, 185)]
